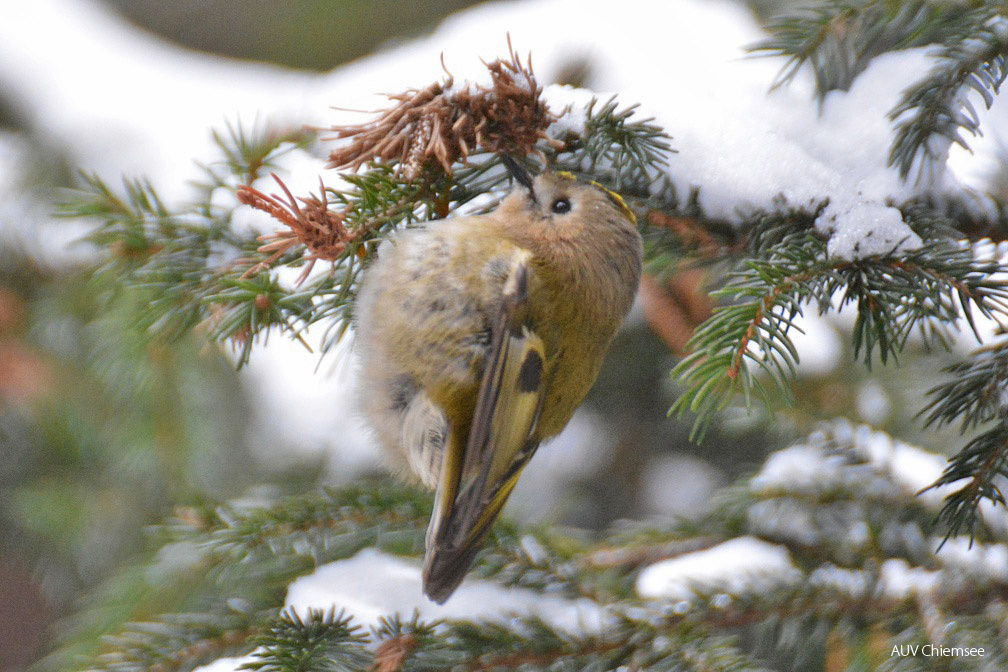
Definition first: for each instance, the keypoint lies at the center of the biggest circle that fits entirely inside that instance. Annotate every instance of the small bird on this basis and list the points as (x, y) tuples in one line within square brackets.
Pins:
[(480, 335)]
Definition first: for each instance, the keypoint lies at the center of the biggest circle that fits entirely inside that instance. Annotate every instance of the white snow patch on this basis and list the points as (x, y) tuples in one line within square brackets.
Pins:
[(310, 411), (226, 664), (910, 468), (853, 582), (373, 584), (899, 581), (738, 566), (571, 103), (815, 468), (986, 561), (743, 147), (873, 404), (799, 469), (863, 229), (818, 344)]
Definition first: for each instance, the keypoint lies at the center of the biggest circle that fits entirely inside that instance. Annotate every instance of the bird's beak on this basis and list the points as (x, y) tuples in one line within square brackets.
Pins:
[(520, 175)]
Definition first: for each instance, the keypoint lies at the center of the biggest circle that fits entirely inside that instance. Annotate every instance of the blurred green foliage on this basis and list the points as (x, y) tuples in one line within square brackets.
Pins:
[(103, 431)]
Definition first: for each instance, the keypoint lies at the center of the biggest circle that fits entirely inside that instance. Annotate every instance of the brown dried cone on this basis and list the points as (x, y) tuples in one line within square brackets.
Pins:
[(314, 225), (440, 125)]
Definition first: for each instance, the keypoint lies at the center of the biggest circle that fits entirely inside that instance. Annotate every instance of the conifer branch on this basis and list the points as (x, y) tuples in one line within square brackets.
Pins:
[(624, 153), (529, 643), (927, 290), (177, 643), (432, 154), (840, 38), (858, 547), (935, 112), (323, 641), (319, 529), (974, 396)]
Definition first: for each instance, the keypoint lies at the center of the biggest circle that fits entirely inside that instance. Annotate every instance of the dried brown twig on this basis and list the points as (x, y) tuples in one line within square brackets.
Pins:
[(442, 124), (312, 224), (432, 128)]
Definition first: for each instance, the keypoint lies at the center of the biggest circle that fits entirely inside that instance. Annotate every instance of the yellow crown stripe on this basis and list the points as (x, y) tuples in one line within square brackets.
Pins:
[(619, 203)]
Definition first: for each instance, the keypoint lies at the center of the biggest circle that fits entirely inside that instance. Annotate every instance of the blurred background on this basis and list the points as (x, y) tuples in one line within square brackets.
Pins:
[(102, 435)]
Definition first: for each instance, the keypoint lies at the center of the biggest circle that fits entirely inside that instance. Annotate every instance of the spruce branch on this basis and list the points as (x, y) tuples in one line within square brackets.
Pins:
[(974, 396), (323, 641), (262, 546), (311, 530), (177, 642), (299, 532), (768, 297), (926, 290), (530, 643), (129, 222), (974, 393), (199, 269), (936, 112), (858, 551), (243, 559), (181, 262), (249, 151), (840, 38), (625, 153)]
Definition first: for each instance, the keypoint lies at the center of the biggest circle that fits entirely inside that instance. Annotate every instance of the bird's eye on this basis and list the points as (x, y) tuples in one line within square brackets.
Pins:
[(560, 206)]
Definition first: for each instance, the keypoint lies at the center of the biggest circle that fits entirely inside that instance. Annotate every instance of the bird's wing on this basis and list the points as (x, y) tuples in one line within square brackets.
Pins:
[(477, 476)]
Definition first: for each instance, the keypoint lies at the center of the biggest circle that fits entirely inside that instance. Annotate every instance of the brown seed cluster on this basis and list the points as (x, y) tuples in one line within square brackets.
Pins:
[(309, 222), (441, 124)]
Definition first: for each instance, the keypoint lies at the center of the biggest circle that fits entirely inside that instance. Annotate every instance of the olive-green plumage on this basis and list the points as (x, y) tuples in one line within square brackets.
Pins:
[(479, 336)]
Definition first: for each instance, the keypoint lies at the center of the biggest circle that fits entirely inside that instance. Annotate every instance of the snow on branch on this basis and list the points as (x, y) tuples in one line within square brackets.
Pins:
[(829, 531)]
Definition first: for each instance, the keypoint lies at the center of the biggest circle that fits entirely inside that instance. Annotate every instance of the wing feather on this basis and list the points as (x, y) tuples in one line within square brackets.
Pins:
[(478, 476)]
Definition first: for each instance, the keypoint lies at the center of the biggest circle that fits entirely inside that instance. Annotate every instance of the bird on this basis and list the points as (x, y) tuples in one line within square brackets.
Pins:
[(478, 337)]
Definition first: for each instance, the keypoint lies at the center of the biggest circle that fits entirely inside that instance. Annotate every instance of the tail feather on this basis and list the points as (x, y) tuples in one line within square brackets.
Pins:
[(444, 569)]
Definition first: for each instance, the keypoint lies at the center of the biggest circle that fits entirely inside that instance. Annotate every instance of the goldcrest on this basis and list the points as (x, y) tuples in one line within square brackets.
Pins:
[(479, 336)]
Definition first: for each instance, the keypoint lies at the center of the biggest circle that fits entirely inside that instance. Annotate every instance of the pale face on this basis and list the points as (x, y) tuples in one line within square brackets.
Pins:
[(558, 207)]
